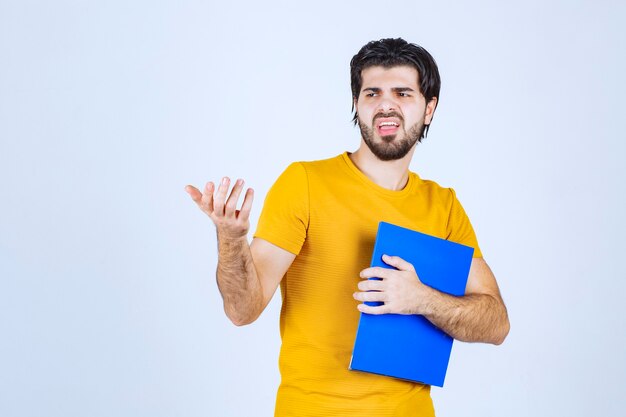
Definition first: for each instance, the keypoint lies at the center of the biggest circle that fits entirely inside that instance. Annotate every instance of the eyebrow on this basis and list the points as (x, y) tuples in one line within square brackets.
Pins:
[(401, 89), (394, 89)]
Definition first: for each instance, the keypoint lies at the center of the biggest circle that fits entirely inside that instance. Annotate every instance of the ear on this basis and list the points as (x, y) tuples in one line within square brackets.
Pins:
[(430, 110)]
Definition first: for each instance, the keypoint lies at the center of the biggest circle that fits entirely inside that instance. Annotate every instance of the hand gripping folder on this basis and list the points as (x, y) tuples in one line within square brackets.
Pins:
[(409, 346)]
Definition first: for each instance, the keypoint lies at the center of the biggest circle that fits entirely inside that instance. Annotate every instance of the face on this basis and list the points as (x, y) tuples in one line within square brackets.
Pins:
[(392, 111)]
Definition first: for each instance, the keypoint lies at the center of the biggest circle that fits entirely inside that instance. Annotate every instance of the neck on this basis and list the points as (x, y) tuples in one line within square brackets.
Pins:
[(392, 175)]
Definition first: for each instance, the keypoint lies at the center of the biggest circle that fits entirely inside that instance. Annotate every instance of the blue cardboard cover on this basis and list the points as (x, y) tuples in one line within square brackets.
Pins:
[(409, 346)]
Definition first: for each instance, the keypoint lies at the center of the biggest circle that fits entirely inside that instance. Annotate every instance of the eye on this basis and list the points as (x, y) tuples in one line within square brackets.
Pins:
[(370, 94), (402, 94)]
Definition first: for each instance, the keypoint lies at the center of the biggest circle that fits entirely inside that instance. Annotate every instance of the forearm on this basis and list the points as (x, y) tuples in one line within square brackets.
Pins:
[(471, 318), (238, 281)]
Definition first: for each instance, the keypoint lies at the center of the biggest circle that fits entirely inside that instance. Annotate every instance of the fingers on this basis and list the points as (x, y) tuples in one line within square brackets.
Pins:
[(204, 201), (194, 193), (371, 285), (370, 296), (219, 202), (207, 198), (244, 213), (231, 203), (398, 263), (371, 293), (376, 272), (382, 309)]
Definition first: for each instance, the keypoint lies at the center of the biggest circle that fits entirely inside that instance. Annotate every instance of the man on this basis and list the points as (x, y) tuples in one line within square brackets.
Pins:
[(315, 238)]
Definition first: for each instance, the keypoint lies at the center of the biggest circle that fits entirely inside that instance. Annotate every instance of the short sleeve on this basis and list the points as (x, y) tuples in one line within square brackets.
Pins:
[(285, 216), (459, 229)]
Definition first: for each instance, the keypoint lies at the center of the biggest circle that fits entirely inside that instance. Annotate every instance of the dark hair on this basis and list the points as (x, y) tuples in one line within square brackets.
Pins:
[(392, 53)]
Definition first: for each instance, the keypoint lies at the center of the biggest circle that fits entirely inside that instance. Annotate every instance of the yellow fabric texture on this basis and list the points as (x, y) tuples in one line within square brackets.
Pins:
[(327, 213)]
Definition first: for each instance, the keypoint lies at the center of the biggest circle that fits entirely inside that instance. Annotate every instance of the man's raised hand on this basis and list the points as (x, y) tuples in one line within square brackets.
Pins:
[(230, 222)]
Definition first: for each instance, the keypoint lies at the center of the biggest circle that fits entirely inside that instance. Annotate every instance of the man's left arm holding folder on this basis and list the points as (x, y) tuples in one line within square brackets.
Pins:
[(479, 316)]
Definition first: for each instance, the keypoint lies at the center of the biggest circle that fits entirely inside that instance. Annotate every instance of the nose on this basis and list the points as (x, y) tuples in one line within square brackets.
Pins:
[(386, 105)]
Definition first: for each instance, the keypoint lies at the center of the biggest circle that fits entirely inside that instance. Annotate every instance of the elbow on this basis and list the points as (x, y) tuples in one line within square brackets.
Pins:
[(240, 321), (502, 333), (241, 318), (241, 313)]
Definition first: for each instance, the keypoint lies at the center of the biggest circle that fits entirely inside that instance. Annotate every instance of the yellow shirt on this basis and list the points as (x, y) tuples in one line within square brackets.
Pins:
[(327, 213)]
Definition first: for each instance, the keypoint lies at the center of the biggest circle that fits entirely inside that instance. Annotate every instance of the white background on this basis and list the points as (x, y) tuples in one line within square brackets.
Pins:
[(108, 302)]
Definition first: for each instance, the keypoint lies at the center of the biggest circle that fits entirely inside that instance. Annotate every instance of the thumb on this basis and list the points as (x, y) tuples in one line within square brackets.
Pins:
[(195, 194), (398, 263)]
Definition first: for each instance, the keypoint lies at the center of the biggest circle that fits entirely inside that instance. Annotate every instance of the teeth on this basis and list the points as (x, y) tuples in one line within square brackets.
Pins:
[(388, 124)]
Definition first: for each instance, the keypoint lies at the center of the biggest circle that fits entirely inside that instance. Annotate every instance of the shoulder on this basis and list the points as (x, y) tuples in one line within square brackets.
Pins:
[(321, 165), (444, 196), (298, 175), (303, 170)]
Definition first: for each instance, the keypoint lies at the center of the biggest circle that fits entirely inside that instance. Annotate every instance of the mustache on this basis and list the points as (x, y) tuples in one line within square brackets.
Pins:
[(390, 114)]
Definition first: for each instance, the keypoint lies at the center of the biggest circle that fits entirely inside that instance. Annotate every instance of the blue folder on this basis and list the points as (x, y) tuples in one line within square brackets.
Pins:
[(409, 346)]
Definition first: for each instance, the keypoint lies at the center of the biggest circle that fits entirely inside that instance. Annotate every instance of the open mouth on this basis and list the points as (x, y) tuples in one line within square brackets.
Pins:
[(386, 127)]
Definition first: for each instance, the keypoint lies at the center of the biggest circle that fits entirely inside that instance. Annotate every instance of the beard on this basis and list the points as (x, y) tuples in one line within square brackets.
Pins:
[(388, 148)]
